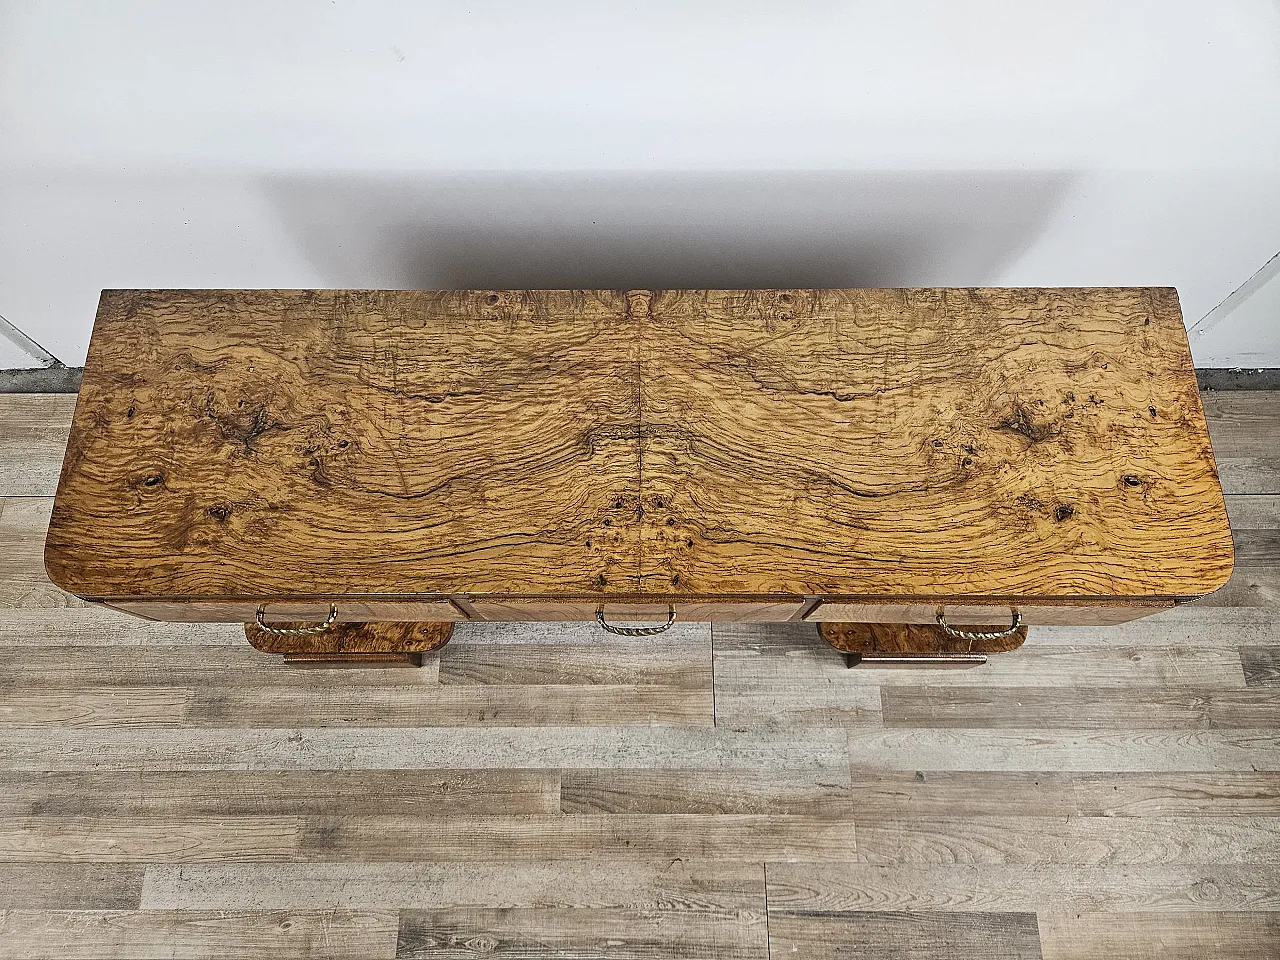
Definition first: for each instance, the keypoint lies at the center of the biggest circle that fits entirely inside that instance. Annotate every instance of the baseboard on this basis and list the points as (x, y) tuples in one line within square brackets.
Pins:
[(57, 379), (1239, 378)]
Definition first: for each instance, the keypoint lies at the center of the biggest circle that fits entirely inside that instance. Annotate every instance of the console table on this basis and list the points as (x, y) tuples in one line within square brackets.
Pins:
[(920, 473)]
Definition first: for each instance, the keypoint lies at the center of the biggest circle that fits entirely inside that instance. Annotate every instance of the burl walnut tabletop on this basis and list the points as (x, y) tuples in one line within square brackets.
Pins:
[(677, 445)]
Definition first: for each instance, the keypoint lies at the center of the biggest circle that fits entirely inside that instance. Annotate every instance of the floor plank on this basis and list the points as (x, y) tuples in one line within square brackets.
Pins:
[(96, 707), (1016, 887), (793, 674), (70, 886), (33, 436), (1255, 527), (1161, 936), (424, 748), (725, 837), (1249, 475), (23, 583), (164, 934), (1242, 423), (291, 703), (1034, 748), (665, 885), (1197, 625), (904, 936), (1078, 841), (280, 793), (103, 839), (777, 791), (1054, 793), (1060, 707), (1261, 666), (69, 668), (682, 664), (80, 628), (616, 933)]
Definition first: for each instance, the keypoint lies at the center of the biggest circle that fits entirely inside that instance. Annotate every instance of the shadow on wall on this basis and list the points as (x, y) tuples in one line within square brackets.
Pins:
[(666, 230)]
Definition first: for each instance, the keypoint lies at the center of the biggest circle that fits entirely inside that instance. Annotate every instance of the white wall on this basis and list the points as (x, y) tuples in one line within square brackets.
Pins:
[(503, 144)]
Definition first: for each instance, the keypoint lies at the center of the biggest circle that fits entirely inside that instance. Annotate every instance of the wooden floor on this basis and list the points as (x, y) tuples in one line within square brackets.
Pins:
[(549, 792)]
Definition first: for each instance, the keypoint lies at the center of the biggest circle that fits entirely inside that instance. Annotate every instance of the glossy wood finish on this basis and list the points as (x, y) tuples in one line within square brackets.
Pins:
[(724, 790), (386, 643), (927, 443), (351, 638), (910, 638), (862, 446), (274, 444)]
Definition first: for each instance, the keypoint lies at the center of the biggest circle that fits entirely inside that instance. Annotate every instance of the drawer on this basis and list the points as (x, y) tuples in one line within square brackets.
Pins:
[(985, 614), (721, 612), (245, 611)]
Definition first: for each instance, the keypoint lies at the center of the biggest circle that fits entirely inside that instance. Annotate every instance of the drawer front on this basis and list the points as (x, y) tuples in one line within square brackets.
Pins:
[(1066, 615), (245, 611), (723, 612)]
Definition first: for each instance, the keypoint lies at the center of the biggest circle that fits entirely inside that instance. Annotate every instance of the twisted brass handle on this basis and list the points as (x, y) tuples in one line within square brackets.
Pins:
[(297, 631), (636, 631), (972, 635)]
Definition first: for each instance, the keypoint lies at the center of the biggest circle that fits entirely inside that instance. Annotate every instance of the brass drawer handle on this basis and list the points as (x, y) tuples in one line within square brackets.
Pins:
[(297, 631), (973, 635), (636, 631)]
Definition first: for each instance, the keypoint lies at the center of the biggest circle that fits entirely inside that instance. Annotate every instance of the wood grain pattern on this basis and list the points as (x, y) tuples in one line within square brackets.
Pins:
[(162, 935), (1003, 887), (1243, 423), (33, 435), (1115, 708), (1254, 522), (684, 445), (116, 839), (164, 667), (1261, 666), (1161, 936), (755, 838), (674, 664), (911, 638), (285, 443), (1050, 793), (23, 521), (905, 936), (1082, 841), (96, 707), (422, 748), (70, 886), (351, 638), (170, 794), (778, 791), (1031, 748), (659, 887), (927, 442), (449, 705), (1244, 426), (617, 933)]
